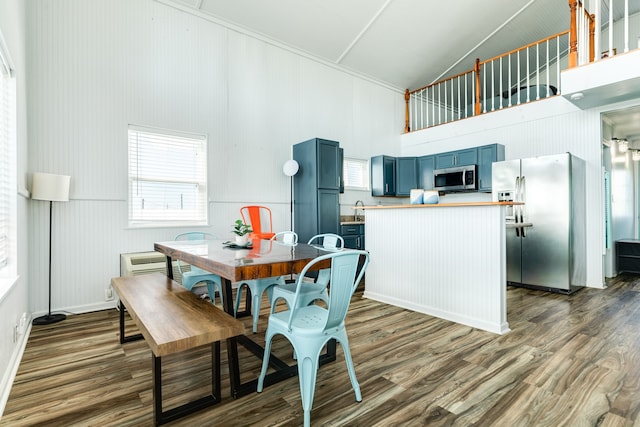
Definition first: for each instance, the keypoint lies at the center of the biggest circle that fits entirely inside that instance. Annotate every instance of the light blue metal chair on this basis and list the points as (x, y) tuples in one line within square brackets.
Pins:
[(258, 286), (309, 292), (197, 275), (310, 327), (328, 241)]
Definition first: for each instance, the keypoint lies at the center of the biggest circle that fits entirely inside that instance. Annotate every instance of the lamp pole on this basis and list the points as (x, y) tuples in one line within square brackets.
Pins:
[(290, 168), (52, 188)]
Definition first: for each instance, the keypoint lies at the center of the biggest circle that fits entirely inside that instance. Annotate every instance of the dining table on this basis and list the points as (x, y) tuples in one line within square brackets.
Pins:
[(257, 260)]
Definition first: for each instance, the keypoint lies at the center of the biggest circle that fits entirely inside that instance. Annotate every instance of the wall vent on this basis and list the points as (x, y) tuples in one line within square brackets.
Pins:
[(132, 264)]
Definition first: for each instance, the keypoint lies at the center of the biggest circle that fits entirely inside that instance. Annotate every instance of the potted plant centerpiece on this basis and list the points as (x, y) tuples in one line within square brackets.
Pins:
[(241, 230)]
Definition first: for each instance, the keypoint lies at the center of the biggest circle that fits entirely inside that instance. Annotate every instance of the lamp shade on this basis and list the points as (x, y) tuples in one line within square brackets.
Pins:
[(50, 187), (290, 167)]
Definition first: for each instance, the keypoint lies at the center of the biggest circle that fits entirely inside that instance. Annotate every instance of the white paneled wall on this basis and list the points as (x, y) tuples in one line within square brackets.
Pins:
[(97, 66), (443, 261)]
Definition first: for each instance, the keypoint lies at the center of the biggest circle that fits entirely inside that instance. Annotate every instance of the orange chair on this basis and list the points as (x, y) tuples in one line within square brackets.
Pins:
[(259, 217)]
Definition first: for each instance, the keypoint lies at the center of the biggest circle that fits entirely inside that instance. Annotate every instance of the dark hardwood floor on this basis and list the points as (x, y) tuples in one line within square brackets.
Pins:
[(568, 361)]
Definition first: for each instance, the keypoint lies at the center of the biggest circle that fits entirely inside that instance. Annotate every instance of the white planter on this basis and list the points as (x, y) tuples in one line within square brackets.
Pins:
[(242, 240)]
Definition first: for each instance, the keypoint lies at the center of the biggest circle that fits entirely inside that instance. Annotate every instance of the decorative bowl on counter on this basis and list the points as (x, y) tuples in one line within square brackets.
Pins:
[(416, 196), (430, 197), (424, 197)]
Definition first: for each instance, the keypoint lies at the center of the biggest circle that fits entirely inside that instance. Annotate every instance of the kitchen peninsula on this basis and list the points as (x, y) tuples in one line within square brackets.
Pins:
[(446, 260)]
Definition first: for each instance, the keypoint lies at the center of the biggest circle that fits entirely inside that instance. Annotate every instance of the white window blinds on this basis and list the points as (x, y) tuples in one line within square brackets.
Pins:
[(167, 178), (356, 174), (7, 160)]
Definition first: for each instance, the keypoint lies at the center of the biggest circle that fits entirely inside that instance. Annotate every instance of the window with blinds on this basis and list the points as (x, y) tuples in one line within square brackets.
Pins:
[(167, 178), (356, 174), (7, 160)]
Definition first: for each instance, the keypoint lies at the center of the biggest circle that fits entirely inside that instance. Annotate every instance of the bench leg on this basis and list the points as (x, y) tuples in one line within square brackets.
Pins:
[(124, 339), (162, 417)]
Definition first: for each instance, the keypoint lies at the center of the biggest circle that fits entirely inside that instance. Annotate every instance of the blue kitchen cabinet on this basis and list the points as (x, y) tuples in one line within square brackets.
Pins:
[(353, 235), (316, 188), (406, 175), (341, 168), (426, 165), (487, 154), (329, 172), (468, 156), (383, 176)]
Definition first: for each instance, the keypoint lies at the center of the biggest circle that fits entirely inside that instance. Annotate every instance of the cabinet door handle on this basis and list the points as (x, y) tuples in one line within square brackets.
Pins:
[(386, 188), (358, 242)]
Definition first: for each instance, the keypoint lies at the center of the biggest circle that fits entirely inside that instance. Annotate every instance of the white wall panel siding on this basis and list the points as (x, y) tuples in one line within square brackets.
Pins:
[(545, 127), (97, 66), (443, 261)]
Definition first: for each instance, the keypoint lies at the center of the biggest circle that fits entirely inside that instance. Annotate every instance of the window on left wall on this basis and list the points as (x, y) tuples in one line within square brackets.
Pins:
[(8, 190), (167, 178)]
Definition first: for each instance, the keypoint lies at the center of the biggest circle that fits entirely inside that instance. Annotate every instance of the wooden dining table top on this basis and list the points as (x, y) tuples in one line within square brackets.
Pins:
[(265, 258)]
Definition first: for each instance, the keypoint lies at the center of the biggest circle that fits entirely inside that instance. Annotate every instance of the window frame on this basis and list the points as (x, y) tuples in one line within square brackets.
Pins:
[(364, 168), (8, 172), (159, 174)]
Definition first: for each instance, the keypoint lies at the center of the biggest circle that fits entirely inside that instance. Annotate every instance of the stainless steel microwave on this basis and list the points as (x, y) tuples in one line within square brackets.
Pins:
[(459, 178)]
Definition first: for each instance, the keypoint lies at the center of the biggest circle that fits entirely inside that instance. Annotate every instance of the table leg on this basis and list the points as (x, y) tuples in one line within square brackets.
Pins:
[(169, 267), (232, 343)]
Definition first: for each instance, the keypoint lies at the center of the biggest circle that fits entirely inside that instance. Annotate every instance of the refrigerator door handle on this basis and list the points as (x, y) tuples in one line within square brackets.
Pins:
[(516, 208), (523, 212)]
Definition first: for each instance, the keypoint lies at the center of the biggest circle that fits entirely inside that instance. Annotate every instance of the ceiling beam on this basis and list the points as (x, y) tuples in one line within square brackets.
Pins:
[(363, 31), (493, 33)]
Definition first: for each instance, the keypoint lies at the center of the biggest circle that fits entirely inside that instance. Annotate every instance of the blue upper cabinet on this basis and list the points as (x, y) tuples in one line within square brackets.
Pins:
[(426, 165), (468, 156), (396, 176), (341, 168), (316, 187), (329, 157), (406, 175), (383, 176), (487, 154)]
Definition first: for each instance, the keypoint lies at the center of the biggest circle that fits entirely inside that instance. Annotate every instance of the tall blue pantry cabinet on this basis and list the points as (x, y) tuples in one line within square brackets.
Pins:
[(316, 188)]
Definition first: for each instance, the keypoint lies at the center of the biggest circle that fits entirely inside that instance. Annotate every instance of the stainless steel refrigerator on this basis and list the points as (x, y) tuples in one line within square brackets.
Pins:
[(546, 235)]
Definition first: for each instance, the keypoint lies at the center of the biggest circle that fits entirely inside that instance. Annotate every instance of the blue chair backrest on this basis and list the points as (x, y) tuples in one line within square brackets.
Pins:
[(289, 238), (195, 235), (328, 241), (344, 266)]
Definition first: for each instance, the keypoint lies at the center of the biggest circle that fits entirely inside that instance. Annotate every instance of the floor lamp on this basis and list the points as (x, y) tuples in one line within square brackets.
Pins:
[(52, 188), (290, 168)]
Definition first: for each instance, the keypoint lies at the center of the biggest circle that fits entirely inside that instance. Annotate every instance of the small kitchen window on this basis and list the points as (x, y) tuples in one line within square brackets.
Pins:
[(167, 178), (356, 174)]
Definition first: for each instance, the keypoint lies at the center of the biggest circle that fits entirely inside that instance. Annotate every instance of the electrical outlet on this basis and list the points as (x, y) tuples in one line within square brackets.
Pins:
[(108, 294), (15, 334), (23, 323)]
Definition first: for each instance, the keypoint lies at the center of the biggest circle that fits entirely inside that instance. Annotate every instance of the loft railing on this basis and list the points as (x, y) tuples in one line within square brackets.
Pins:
[(582, 34), (528, 73), (513, 78), (617, 27)]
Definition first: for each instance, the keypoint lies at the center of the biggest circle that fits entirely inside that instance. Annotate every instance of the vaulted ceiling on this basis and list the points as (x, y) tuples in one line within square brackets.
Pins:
[(401, 43)]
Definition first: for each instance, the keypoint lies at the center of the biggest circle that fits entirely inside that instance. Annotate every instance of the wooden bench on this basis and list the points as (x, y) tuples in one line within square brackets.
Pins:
[(172, 319)]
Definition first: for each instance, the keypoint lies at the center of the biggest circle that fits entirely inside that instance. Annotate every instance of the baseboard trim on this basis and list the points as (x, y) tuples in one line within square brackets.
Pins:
[(14, 364)]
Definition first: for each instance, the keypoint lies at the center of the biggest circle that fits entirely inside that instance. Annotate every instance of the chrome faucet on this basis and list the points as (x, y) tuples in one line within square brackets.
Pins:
[(357, 217)]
